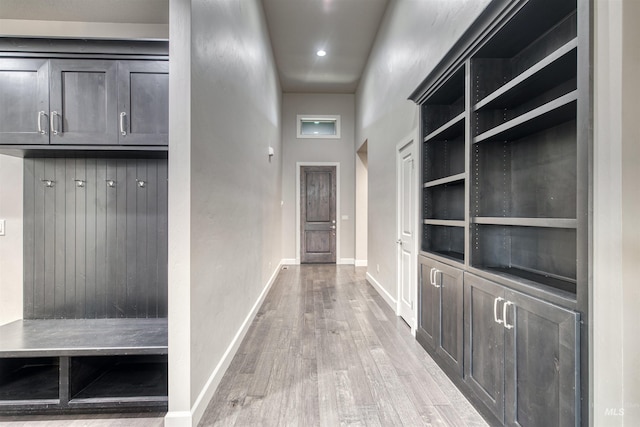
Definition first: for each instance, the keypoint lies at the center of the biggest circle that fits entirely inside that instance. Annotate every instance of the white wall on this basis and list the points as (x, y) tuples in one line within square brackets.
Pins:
[(318, 150), (11, 258), (413, 37), (224, 193), (615, 314)]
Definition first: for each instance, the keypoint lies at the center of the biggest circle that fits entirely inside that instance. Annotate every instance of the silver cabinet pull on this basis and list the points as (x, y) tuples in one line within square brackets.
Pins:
[(504, 314), (54, 114), (40, 130), (122, 131), (434, 277), (495, 310)]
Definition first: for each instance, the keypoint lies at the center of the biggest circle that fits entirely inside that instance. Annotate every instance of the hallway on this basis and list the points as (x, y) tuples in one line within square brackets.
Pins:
[(325, 349)]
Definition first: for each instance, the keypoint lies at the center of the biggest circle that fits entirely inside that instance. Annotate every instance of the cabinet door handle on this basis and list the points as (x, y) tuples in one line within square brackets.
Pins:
[(495, 310), (123, 132), (504, 314), (435, 278), (431, 276), (40, 130), (54, 114)]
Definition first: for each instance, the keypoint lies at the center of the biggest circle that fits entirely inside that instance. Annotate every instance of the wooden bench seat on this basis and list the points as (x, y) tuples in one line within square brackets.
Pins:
[(67, 365)]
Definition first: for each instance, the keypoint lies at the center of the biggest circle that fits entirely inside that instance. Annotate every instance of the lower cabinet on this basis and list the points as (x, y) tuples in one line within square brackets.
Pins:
[(441, 312), (515, 356), (521, 355)]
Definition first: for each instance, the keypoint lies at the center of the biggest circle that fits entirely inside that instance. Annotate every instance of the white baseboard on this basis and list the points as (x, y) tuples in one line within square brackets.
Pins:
[(192, 418), (290, 261), (383, 292), (178, 419), (361, 263), (346, 261)]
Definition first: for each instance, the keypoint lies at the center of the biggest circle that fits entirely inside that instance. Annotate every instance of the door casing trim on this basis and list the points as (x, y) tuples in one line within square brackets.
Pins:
[(299, 166), (411, 138)]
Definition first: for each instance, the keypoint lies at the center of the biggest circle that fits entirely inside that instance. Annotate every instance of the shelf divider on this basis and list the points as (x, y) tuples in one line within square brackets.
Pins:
[(442, 129), (527, 222), (445, 222), (531, 118), (565, 49), (445, 180)]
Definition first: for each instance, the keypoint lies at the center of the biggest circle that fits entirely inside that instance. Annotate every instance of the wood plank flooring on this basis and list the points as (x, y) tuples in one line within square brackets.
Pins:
[(325, 350)]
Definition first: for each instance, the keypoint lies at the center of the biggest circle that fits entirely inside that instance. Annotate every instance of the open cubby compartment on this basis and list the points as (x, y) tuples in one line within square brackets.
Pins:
[(443, 158), (543, 256), (537, 31), (447, 241), (29, 379), (117, 377), (548, 84), (445, 201), (445, 104), (531, 177)]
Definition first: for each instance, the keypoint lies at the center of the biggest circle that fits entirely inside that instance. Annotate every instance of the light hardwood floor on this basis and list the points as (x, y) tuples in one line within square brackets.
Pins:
[(325, 349)]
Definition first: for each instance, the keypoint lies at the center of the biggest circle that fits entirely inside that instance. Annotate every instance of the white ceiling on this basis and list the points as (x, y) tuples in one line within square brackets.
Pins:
[(345, 29)]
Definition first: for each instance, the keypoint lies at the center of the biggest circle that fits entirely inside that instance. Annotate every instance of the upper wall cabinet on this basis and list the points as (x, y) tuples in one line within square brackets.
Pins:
[(143, 102), (83, 102), (88, 102), (24, 104)]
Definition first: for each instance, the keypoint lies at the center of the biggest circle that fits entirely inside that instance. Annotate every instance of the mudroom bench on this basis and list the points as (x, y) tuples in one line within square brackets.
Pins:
[(71, 365)]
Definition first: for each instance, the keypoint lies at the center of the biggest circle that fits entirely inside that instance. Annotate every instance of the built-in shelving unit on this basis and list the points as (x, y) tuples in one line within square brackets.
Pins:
[(444, 176), (523, 194), (505, 205)]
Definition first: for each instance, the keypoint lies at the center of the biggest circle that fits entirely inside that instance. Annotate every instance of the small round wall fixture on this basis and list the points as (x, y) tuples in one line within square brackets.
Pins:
[(321, 52)]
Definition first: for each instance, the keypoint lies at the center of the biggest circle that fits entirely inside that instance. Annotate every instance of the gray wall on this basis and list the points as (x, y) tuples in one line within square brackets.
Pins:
[(412, 39), (113, 19), (318, 150), (615, 315), (224, 193)]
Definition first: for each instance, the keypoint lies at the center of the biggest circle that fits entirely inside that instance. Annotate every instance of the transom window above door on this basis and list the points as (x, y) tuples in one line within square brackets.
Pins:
[(318, 126)]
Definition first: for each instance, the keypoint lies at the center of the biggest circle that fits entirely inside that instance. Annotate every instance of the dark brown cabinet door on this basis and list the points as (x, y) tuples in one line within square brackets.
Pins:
[(83, 105), (143, 102), (24, 101), (318, 214), (541, 363), (441, 312), (484, 342), (429, 305), (451, 339)]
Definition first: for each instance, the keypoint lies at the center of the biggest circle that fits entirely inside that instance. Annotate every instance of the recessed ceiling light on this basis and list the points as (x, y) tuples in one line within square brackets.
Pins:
[(321, 53)]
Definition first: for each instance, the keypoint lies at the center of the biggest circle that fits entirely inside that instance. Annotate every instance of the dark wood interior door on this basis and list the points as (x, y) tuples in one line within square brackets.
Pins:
[(318, 214)]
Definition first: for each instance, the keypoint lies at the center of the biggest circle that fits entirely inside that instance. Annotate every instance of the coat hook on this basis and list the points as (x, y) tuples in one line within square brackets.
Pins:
[(141, 183), (48, 182), (111, 183), (80, 183)]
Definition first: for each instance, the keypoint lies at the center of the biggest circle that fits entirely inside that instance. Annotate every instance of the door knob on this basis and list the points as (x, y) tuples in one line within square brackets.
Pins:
[(399, 241), (333, 227)]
